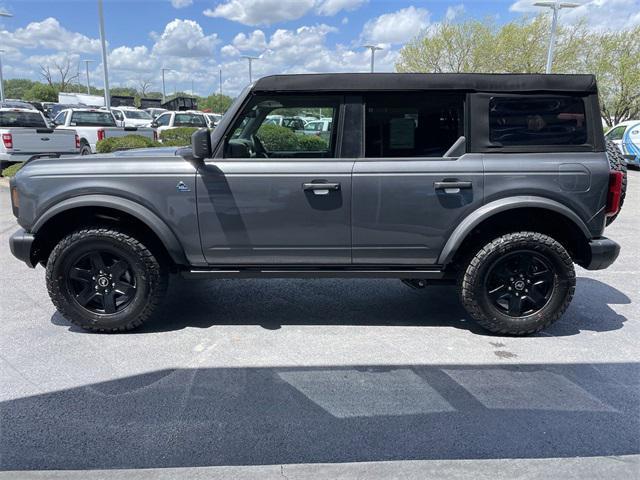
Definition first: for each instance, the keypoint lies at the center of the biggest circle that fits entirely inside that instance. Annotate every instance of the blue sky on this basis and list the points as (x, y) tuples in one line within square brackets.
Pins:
[(197, 37)]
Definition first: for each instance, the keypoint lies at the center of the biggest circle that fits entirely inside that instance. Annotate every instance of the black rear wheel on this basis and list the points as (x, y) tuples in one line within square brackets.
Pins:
[(518, 283), (105, 280)]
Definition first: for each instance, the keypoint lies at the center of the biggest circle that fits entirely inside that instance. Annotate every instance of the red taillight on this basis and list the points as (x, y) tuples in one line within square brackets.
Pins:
[(615, 192), (77, 142), (100, 134), (7, 139)]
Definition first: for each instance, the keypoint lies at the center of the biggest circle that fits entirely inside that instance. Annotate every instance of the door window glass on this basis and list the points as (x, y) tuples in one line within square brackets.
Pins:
[(537, 120), (273, 127), (616, 134), (163, 120), (412, 125)]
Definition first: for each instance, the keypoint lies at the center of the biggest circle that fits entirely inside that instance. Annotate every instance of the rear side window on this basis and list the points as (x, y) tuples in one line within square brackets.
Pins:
[(22, 119), (92, 119), (412, 124), (539, 120)]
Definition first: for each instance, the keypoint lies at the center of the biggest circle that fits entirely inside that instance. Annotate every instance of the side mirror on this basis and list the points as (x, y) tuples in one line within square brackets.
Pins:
[(201, 144), (154, 124)]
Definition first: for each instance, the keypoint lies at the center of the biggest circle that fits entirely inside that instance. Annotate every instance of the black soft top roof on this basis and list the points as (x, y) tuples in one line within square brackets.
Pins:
[(470, 82)]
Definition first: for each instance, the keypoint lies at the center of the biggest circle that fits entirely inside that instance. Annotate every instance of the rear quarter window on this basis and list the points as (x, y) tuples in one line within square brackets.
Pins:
[(537, 120)]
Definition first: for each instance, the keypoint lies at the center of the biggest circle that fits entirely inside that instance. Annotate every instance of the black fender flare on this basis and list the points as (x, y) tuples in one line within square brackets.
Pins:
[(469, 223), (142, 213)]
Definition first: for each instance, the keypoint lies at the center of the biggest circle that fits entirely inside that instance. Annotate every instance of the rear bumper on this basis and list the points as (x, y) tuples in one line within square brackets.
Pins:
[(21, 245), (603, 253)]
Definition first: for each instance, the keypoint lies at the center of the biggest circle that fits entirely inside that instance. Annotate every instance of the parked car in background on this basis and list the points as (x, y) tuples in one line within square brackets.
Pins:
[(212, 119), (155, 111), (131, 117), (93, 125), (626, 136), (292, 123), (26, 134), (11, 103), (169, 120), (317, 127)]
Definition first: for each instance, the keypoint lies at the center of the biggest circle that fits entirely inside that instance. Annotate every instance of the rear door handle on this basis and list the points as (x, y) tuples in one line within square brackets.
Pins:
[(452, 184), (321, 188)]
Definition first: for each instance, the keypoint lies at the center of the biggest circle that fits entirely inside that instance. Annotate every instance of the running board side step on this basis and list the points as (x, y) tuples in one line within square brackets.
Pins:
[(308, 273)]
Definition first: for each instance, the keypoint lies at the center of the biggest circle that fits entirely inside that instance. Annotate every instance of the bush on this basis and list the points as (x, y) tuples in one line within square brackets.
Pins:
[(177, 137), (278, 139), (11, 170), (127, 142), (312, 143)]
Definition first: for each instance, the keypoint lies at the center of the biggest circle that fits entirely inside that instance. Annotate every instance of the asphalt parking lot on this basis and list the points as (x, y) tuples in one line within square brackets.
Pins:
[(323, 379)]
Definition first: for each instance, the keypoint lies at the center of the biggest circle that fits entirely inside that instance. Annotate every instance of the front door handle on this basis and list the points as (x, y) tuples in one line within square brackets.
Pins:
[(320, 188), (451, 184)]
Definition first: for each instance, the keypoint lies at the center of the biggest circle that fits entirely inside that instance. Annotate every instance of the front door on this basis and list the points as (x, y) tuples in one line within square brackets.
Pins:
[(276, 195), (408, 196)]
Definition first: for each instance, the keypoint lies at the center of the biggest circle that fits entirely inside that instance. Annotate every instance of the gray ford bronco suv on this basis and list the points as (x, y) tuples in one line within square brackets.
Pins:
[(495, 183)]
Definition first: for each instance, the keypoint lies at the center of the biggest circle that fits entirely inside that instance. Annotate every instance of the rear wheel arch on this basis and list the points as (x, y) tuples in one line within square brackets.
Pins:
[(79, 212), (512, 215)]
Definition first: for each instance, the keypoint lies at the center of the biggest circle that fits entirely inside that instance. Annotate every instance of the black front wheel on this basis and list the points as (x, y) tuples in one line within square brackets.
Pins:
[(518, 284), (105, 280)]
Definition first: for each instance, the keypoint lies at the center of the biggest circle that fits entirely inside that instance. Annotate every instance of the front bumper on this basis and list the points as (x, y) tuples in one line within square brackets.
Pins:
[(633, 160), (603, 253), (21, 245)]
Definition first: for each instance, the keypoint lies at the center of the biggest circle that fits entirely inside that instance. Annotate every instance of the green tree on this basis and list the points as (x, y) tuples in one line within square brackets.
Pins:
[(17, 87), (216, 103), (41, 93)]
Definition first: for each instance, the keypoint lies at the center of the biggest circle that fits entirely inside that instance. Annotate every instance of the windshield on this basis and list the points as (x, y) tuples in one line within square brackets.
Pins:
[(136, 114), (22, 119), (92, 119)]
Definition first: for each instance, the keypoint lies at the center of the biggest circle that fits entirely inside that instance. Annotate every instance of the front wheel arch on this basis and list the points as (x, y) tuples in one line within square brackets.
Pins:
[(78, 212)]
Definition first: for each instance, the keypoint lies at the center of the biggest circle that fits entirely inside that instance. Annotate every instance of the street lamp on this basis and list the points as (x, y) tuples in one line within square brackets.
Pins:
[(556, 6), (164, 95), (2, 14), (105, 69), (251, 59), (86, 64), (373, 49)]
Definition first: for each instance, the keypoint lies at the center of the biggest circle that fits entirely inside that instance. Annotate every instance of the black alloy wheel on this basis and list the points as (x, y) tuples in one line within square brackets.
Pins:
[(101, 282), (520, 284)]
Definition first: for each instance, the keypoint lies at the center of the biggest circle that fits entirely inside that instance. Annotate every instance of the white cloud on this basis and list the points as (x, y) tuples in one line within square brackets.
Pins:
[(331, 7), (185, 38), (133, 59), (49, 34), (261, 12), (181, 3), (396, 27), (598, 14), (255, 41), (454, 12)]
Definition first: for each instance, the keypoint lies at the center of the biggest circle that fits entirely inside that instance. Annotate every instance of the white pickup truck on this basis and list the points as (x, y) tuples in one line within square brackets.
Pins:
[(26, 134), (93, 125)]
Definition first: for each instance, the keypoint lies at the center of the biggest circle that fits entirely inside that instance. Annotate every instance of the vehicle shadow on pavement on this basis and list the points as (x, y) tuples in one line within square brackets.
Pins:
[(329, 414), (273, 303)]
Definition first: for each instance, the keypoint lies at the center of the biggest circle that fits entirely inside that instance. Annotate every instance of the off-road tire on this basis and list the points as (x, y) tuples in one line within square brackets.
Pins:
[(618, 163), (151, 275), (472, 287)]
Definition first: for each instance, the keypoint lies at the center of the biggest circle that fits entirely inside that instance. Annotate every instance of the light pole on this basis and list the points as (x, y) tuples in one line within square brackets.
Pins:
[(251, 59), (2, 14), (556, 6), (164, 95), (220, 79), (373, 49), (86, 65), (105, 68)]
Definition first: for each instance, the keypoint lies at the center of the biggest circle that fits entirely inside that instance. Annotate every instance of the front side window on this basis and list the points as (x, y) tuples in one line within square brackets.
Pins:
[(412, 125), (189, 120), (60, 118), (272, 127), (163, 120), (117, 114), (537, 120), (92, 119), (616, 134)]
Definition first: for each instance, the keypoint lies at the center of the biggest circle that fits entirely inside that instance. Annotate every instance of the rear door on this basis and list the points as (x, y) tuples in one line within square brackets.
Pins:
[(407, 195), (273, 195)]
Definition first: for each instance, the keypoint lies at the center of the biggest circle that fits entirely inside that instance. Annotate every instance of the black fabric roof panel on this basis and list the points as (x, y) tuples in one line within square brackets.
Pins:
[(473, 82)]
